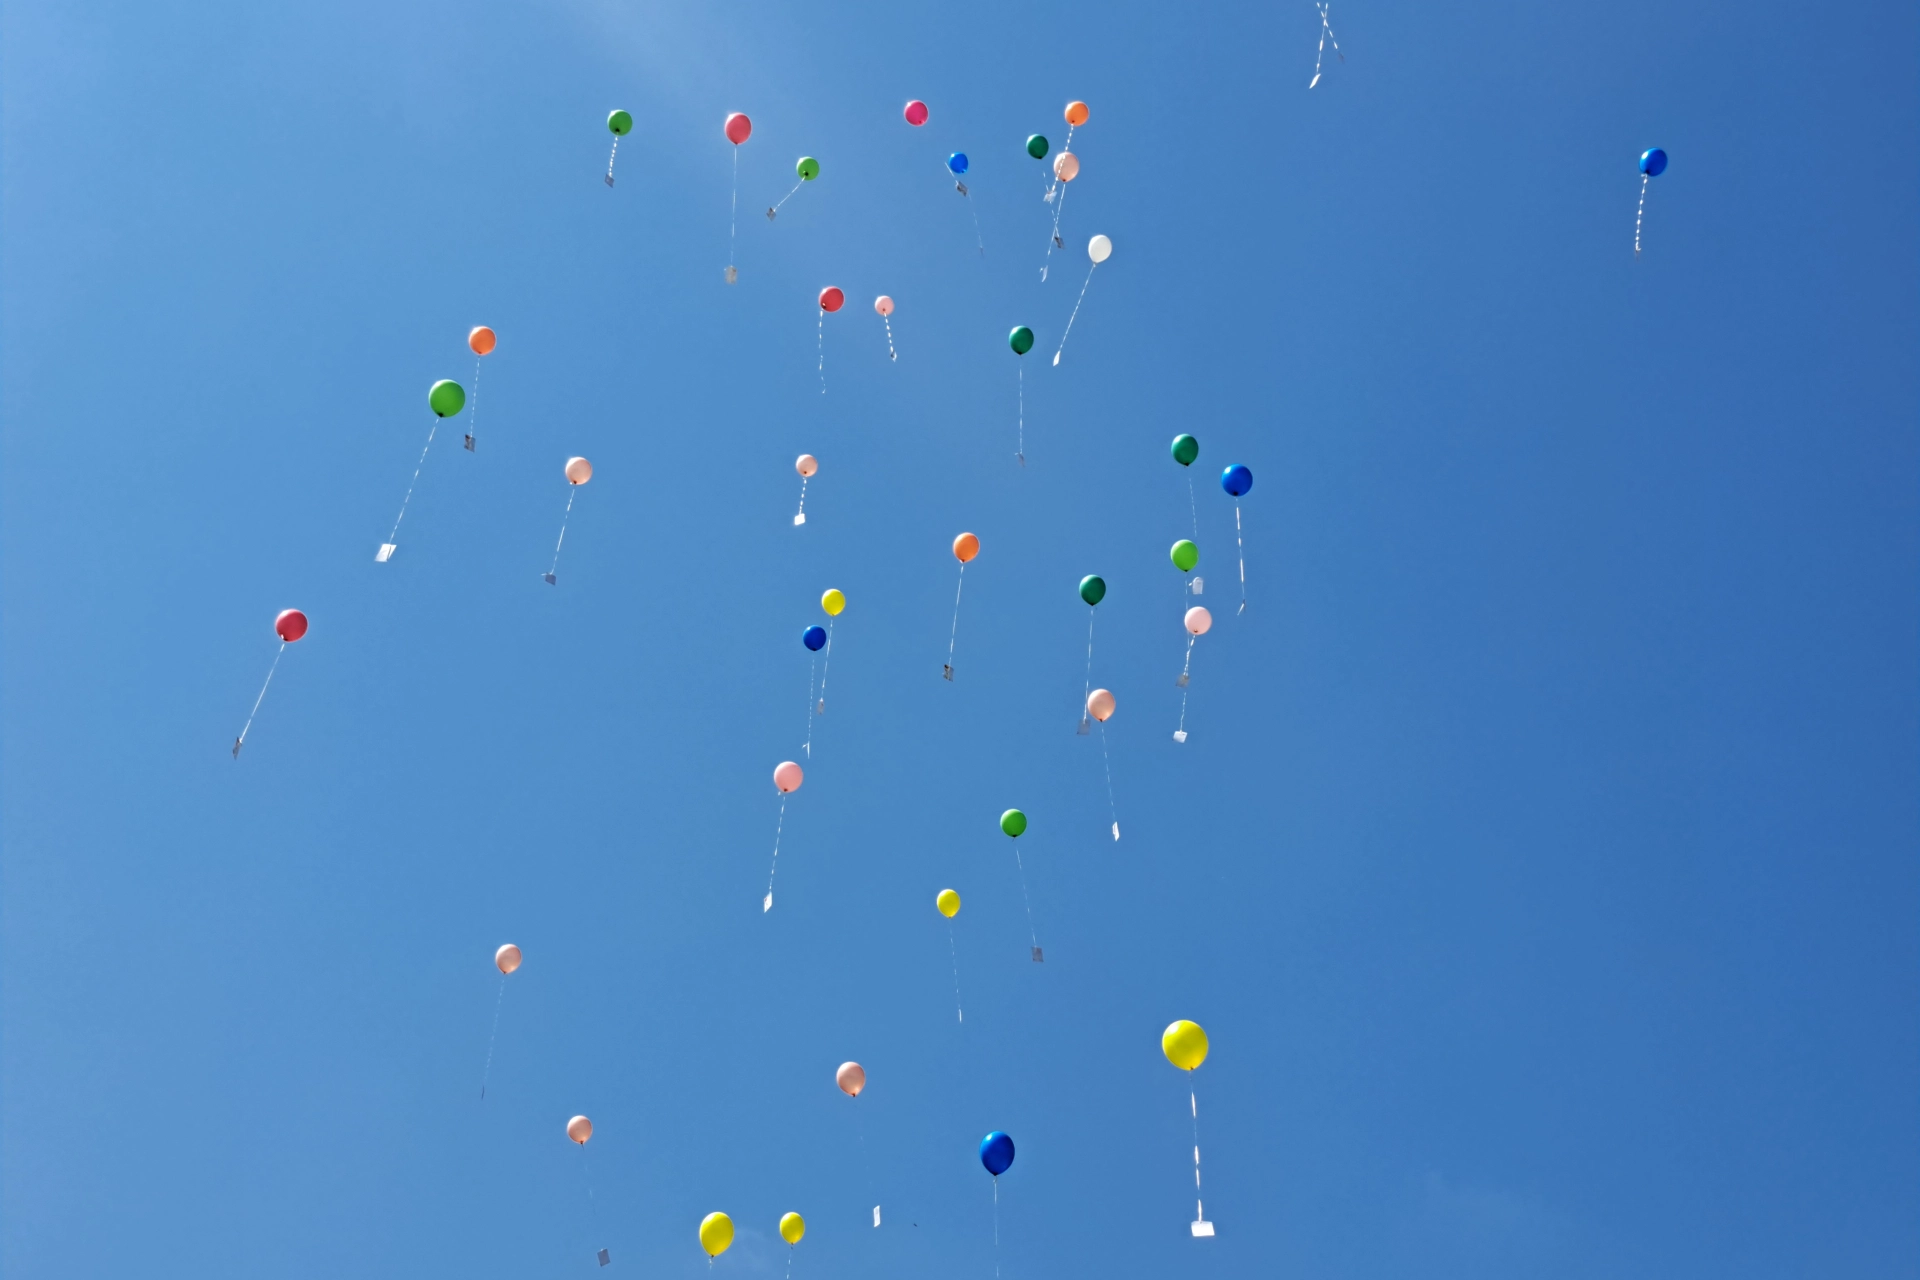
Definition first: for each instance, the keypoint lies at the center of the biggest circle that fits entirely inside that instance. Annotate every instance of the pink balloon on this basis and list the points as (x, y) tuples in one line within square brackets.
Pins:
[(739, 128), (1198, 620), (806, 464), (832, 299), (580, 1129), (852, 1078), (916, 113), (579, 471), (1100, 704), (1066, 166), (507, 958), (787, 776), (883, 305), (290, 624)]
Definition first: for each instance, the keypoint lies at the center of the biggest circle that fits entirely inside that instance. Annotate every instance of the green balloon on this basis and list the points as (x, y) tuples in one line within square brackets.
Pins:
[(620, 122), (1093, 588), (1185, 450), (1185, 556), (446, 397), (808, 168), (1021, 340), (1013, 822), (1037, 146)]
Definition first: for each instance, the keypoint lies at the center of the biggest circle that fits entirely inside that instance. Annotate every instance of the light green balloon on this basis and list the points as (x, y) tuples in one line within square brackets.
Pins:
[(620, 123), (446, 397), (1013, 822), (808, 168), (1185, 555)]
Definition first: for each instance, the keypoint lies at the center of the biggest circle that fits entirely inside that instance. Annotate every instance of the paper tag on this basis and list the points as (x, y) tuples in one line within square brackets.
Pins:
[(604, 1259), (1179, 735), (1202, 1228), (1037, 957), (767, 905), (801, 518), (385, 553), (876, 1215)]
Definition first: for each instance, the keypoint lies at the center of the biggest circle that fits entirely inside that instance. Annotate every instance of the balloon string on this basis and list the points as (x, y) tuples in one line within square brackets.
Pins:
[(996, 1227), (593, 1203), (241, 740), (571, 491), (953, 950), (955, 633), (779, 827), (978, 239), (1180, 734), (1054, 239), (473, 406), (825, 662), (1193, 1101), (812, 668), (395, 535), (1640, 213), (1074, 316), (1193, 508), (1241, 542), (610, 157), (733, 215), (492, 1036), (891, 353), (866, 1161), (1326, 34), (1032, 937), (821, 336), (1020, 450), (1087, 684), (800, 517), (784, 199), (1106, 762)]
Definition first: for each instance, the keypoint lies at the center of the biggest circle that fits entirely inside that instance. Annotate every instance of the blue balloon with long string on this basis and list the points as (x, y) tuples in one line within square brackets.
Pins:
[(1237, 480), (996, 1153), (957, 162), (815, 638), (1653, 163)]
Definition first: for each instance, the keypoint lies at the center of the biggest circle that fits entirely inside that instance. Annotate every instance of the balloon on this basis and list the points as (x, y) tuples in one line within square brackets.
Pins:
[(852, 1078), (965, 547), (1013, 822), (580, 1129), (1236, 480), (620, 122), (808, 168), (290, 624), (1076, 113), (883, 305), (792, 1227), (948, 903), (916, 113), (507, 958), (481, 340), (957, 162), (716, 1229), (1185, 1044), (579, 471), (1198, 620), (1093, 588), (788, 776), (1185, 450), (1100, 705), (996, 1153), (1184, 555), (445, 398), (814, 637), (833, 602), (832, 299), (1021, 340), (1066, 166), (1099, 249), (739, 128), (1037, 146), (1653, 162), (806, 464)]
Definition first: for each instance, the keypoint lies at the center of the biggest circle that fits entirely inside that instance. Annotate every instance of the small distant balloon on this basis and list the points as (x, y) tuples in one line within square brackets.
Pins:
[(580, 1129), (446, 398), (481, 340), (1021, 340), (814, 637), (739, 128), (915, 113), (1198, 620), (1076, 113), (619, 123), (579, 471), (1093, 588), (833, 602), (1185, 555), (1185, 1044), (947, 902), (1100, 705), (787, 777), (957, 163), (966, 547), (1185, 450), (792, 1227), (832, 299), (507, 958), (1653, 162), (290, 624), (1038, 146), (1099, 249), (1236, 480), (1066, 166), (883, 305), (716, 1234), (1013, 822), (807, 465), (996, 1153), (851, 1077)]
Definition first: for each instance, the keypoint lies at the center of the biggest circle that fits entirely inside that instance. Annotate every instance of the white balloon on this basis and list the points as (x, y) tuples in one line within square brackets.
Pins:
[(1099, 249)]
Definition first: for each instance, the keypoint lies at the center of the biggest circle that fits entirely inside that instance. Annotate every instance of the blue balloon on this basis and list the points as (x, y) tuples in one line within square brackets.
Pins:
[(815, 638), (1236, 480), (957, 162), (996, 1153), (1653, 162)]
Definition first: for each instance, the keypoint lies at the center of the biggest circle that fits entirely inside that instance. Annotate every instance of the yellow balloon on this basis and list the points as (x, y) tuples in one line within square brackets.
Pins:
[(948, 902), (1185, 1044), (792, 1227), (716, 1233), (833, 602)]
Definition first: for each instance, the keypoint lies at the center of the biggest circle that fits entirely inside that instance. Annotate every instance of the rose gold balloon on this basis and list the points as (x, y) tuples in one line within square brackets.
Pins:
[(851, 1077), (1066, 166), (579, 471), (580, 1129), (883, 304), (1198, 620), (507, 958), (1100, 704), (787, 776), (965, 547), (806, 464)]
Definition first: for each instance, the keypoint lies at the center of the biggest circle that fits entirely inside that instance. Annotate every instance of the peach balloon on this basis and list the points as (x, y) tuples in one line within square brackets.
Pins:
[(1066, 166), (579, 471), (787, 776), (481, 340), (1198, 620), (883, 305), (852, 1078), (965, 547), (580, 1129), (806, 464), (1076, 113), (507, 958), (1100, 704)]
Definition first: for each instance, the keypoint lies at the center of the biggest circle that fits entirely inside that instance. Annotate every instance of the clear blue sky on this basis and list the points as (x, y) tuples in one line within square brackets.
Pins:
[(1542, 862)]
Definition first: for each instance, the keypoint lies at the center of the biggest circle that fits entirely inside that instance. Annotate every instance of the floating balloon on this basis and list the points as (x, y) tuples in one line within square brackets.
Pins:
[(507, 959), (787, 776), (1185, 1045), (619, 124), (833, 602), (792, 1228), (1326, 34), (1197, 623), (808, 466), (1076, 113), (851, 1077), (957, 163), (716, 1233), (996, 1153), (1185, 555), (948, 903), (1653, 163), (738, 129), (814, 637), (1021, 340), (481, 339), (580, 1129), (806, 169), (578, 472), (1100, 705), (965, 548), (883, 307), (1093, 588), (1237, 481), (289, 625), (915, 113), (1037, 146), (1066, 166), (831, 299), (445, 398), (1185, 450), (1099, 249), (1014, 823)]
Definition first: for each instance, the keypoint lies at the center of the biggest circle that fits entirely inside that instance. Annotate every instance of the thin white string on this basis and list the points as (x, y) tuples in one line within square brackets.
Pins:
[(1106, 762), (953, 949), (1241, 543), (1054, 239), (1184, 671), (1640, 213), (242, 739), (825, 662), (821, 335), (492, 1035), (395, 535), (1087, 685), (473, 405), (803, 501), (733, 214), (610, 157), (1326, 34), (955, 633), (996, 1227), (1020, 449), (783, 199), (1193, 508), (891, 353), (571, 490), (1075, 315), (779, 826), (1017, 862), (812, 666), (1193, 1100)]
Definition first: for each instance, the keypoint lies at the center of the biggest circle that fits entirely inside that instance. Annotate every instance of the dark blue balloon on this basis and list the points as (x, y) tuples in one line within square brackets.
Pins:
[(1236, 480), (815, 638), (996, 1153), (957, 162), (1653, 162)]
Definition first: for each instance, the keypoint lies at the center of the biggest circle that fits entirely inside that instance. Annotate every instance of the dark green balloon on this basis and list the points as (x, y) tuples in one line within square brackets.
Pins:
[(446, 397), (1037, 146), (1021, 340), (1184, 556), (808, 168), (620, 123), (1185, 450), (1093, 588), (1013, 822)]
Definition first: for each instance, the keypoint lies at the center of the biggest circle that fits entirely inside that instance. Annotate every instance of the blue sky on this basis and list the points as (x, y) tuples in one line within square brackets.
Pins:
[(1542, 861)]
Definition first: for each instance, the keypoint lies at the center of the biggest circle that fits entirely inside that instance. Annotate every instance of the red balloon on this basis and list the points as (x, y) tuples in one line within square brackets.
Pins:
[(290, 624), (831, 299), (739, 128), (916, 113)]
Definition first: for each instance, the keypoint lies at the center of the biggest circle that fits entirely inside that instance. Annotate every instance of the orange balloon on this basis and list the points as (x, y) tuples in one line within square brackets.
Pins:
[(579, 471), (1076, 113), (481, 340), (1100, 704), (852, 1078), (965, 547), (1066, 166), (507, 958), (580, 1129)]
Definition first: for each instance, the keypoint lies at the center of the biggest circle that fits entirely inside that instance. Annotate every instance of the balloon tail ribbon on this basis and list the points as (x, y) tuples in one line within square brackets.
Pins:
[(1326, 34), (811, 667), (783, 199), (553, 573), (1201, 1227), (1193, 508), (492, 1036), (610, 158), (953, 635), (1241, 542), (473, 406), (825, 662), (1075, 315), (593, 1205), (1086, 690), (953, 950), (800, 516), (391, 545), (766, 904), (978, 239), (891, 353), (1032, 937), (733, 218), (1640, 212), (1180, 734), (242, 739), (1020, 446), (1106, 762), (1054, 242), (996, 1227), (821, 339)]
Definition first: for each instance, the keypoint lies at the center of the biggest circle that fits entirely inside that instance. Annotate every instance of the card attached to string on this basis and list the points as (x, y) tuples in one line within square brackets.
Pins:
[(385, 553)]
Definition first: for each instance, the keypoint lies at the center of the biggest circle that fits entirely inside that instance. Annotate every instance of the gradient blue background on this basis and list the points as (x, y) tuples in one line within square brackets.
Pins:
[(1543, 859)]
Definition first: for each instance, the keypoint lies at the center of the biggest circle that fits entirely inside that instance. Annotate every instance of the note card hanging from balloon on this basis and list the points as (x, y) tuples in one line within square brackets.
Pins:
[(445, 398), (738, 129), (1099, 249), (806, 169), (289, 625)]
